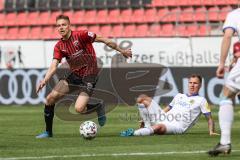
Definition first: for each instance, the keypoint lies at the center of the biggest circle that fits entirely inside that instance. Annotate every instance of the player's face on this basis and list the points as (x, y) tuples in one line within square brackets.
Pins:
[(193, 85), (63, 27)]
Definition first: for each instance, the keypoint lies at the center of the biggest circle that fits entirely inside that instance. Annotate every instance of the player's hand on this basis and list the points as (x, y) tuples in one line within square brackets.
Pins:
[(220, 71), (214, 134), (40, 86), (127, 53)]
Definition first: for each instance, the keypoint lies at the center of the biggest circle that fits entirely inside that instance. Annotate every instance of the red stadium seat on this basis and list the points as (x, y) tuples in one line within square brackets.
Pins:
[(150, 15), (173, 15), (232, 2), (186, 15), (90, 17), (223, 12), (102, 16), (12, 33), (142, 30), (195, 2), (181, 30), (114, 16), (213, 13), (43, 18), (155, 30), (162, 14), (183, 3), (117, 31), (129, 30), (207, 2), (35, 33), (2, 19), (47, 32), (11, 19), (32, 18), (82, 27), (3, 32), (204, 30), (200, 14), (22, 17), (106, 30), (138, 16), (192, 30), (23, 33), (52, 18), (1, 5), (95, 29), (126, 15), (220, 2), (69, 14), (157, 3), (78, 17), (167, 30), (170, 2)]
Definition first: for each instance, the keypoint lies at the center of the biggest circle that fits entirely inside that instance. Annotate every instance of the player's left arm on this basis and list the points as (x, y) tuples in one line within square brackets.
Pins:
[(126, 53), (211, 124), (206, 110)]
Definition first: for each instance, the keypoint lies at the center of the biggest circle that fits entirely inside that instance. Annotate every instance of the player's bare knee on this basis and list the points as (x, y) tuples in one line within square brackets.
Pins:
[(159, 129), (226, 97), (79, 109), (50, 100), (141, 98), (228, 92)]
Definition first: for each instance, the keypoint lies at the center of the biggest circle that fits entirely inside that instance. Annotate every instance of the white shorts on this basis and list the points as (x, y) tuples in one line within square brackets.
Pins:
[(233, 78), (173, 127)]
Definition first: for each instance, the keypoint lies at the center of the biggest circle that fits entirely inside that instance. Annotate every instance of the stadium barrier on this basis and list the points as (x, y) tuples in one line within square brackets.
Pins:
[(122, 84), (171, 52)]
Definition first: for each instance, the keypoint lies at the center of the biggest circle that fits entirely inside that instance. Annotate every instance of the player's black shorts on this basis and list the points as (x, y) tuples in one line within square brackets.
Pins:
[(82, 84)]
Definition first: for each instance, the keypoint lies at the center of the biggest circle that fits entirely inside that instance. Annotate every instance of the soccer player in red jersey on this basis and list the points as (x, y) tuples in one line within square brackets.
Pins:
[(77, 48)]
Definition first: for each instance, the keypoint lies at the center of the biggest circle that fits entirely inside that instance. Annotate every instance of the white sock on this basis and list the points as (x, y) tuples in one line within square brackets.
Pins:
[(225, 115), (144, 114), (143, 132)]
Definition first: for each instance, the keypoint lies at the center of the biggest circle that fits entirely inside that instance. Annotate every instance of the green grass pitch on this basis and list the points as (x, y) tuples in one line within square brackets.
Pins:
[(20, 125)]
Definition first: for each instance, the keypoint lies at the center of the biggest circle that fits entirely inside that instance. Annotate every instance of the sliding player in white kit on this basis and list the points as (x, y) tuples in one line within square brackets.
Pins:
[(232, 83), (179, 116)]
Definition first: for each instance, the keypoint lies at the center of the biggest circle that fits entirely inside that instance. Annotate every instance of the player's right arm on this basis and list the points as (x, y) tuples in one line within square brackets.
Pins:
[(171, 104), (226, 42), (126, 53), (51, 71), (229, 28)]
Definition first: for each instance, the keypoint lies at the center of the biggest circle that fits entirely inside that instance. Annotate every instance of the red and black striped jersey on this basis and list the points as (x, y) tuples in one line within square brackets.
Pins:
[(79, 52)]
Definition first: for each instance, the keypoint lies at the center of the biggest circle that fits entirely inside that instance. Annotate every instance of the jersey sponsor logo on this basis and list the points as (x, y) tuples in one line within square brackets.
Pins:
[(91, 34), (78, 53), (183, 104), (19, 86), (192, 101), (76, 43)]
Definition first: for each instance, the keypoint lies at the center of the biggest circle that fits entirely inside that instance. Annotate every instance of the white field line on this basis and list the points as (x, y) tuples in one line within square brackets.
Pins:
[(108, 155)]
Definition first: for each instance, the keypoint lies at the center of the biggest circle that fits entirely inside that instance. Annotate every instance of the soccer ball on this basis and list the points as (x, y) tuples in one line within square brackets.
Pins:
[(88, 130)]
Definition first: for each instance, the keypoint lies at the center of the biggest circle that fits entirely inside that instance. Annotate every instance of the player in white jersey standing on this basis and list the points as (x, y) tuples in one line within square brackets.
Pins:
[(179, 116), (232, 83)]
